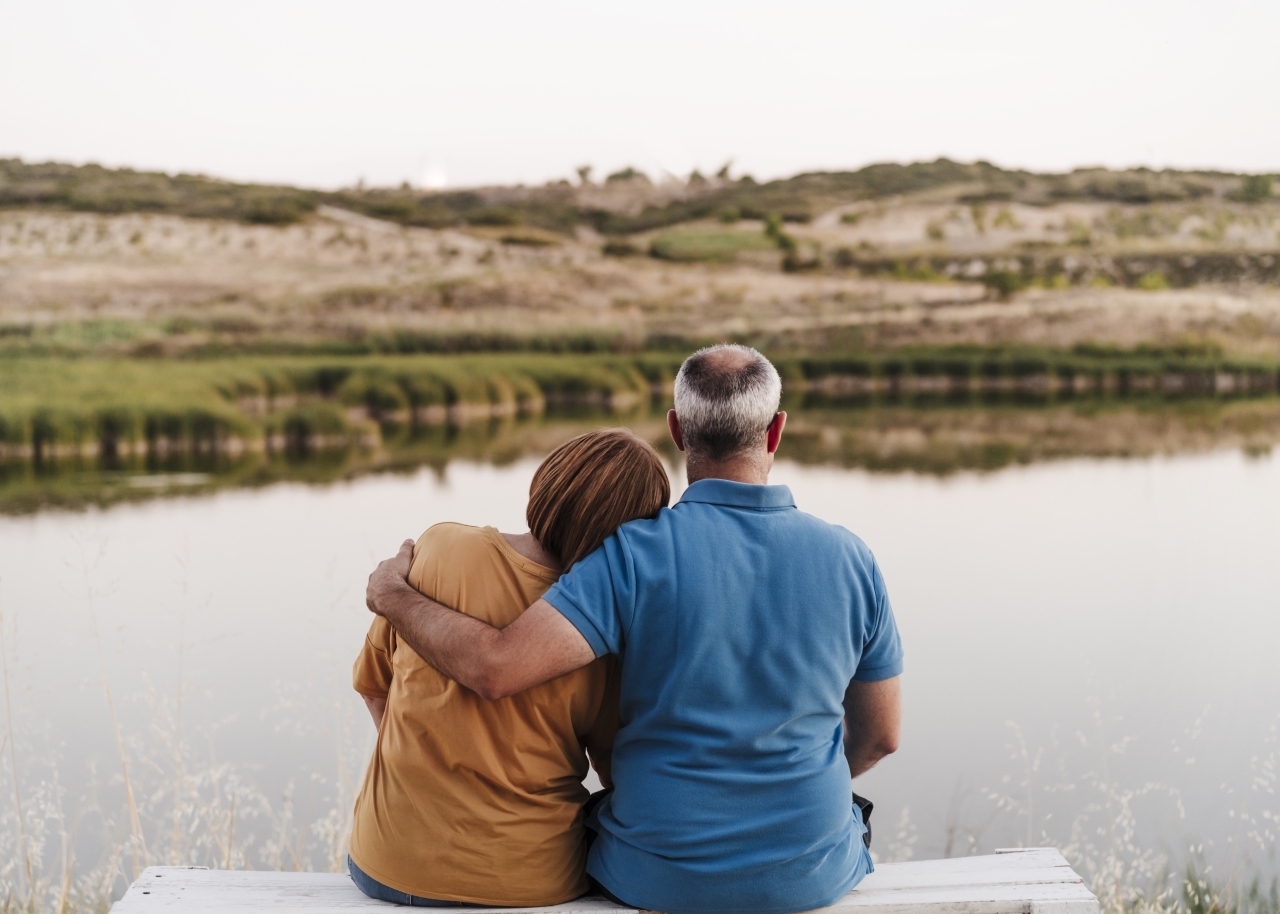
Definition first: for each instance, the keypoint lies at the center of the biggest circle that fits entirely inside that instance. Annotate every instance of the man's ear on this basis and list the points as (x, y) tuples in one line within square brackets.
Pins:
[(773, 435), (673, 423)]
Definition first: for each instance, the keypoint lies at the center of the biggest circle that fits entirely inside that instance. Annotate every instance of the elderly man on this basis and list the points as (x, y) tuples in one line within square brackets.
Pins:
[(752, 637)]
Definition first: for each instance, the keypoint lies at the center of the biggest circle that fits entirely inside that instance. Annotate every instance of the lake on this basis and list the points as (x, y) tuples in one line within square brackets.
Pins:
[(1091, 656)]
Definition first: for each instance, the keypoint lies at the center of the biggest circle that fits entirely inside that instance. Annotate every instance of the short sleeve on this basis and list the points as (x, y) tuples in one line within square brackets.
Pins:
[(597, 595), (882, 654), (372, 673)]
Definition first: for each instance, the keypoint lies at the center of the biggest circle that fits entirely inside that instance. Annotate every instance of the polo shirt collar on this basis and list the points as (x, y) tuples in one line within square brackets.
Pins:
[(738, 494)]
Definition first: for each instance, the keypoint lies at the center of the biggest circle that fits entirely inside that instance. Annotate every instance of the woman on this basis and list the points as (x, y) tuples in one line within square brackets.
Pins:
[(474, 801)]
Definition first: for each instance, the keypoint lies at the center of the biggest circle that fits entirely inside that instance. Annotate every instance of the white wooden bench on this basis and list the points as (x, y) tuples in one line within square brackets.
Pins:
[(1030, 881)]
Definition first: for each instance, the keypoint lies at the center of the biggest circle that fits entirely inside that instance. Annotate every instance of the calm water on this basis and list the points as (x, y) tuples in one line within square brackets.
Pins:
[(1089, 642)]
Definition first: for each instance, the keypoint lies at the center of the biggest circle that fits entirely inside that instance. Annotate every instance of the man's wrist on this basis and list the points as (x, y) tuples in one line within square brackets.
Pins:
[(393, 598)]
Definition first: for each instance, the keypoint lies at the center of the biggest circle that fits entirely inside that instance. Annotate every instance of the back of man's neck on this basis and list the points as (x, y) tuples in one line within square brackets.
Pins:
[(733, 471)]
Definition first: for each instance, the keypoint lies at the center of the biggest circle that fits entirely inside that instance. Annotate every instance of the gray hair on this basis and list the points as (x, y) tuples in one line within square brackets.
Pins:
[(726, 396)]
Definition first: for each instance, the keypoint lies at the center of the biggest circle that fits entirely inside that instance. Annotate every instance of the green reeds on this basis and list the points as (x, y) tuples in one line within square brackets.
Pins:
[(110, 412), (62, 407)]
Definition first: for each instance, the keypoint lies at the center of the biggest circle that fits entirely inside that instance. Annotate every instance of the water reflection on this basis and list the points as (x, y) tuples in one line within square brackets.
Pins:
[(933, 434)]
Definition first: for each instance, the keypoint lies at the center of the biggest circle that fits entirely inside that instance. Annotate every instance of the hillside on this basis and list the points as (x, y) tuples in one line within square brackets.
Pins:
[(96, 261), (623, 203)]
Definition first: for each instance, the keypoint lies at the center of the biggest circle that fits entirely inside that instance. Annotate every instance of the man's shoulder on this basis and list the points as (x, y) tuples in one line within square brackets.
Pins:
[(813, 534), (835, 533), (642, 535)]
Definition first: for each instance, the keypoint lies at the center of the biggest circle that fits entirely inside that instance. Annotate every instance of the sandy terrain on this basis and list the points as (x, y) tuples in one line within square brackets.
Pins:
[(115, 283)]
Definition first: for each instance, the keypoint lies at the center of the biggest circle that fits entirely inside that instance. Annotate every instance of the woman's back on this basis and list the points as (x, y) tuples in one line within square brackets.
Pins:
[(467, 799)]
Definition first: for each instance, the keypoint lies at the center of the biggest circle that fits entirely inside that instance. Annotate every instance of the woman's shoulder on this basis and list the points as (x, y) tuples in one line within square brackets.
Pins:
[(450, 542), (449, 552), (451, 534)]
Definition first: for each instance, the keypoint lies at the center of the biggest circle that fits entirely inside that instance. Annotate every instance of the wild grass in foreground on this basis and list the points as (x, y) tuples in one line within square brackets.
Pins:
[(161, 800)]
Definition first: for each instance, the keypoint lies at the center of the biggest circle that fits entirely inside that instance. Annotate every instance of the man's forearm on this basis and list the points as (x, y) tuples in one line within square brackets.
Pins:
[(458, 645), (872, 717), (539, 645)]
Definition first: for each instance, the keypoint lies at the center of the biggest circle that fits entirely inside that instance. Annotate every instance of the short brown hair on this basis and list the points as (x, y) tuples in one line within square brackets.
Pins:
[(590, 486)]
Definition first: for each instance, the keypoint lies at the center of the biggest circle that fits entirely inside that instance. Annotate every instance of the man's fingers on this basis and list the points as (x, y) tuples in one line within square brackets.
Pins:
[(390, 574), (403, 560)]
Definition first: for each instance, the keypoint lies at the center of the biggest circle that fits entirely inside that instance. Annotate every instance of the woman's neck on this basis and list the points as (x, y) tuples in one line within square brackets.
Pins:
[(528, 546)]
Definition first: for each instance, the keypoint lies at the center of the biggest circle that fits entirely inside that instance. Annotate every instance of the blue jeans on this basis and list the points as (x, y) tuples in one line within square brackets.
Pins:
[(375, 889)]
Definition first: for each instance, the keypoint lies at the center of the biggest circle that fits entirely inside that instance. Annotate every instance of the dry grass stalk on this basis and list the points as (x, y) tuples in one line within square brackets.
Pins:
[(13, 760), (231, 829), (138, 842)]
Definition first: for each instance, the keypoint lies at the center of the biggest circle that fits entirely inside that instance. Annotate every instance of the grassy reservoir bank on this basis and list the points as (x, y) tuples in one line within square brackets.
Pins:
[(52, 407), (77, 431)]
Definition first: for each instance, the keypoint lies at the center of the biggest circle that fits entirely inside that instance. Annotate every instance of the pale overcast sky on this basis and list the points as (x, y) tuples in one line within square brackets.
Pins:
[(324, 93)]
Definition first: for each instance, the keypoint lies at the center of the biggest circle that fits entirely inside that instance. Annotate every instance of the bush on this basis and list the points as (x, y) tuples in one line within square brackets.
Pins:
[(529, 241), (495, 216), (1254, 189), (773, 231), (275, 211), (1004, 282), (1153, 281), (618, 248), (627, 174)]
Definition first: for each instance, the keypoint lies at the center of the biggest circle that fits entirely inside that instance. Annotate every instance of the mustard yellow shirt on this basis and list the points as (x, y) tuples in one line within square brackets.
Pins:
[(474, 800)]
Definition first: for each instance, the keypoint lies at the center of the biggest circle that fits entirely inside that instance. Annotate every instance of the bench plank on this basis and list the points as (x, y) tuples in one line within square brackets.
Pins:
[(1032, 881)]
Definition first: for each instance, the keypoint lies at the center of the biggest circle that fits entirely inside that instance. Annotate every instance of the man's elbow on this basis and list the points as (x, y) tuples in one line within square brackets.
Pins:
[(874, 746), (887, 744), (491, 682)]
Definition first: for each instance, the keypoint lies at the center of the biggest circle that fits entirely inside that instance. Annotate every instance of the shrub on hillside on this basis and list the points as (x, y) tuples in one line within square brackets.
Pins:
[(1254, 189)]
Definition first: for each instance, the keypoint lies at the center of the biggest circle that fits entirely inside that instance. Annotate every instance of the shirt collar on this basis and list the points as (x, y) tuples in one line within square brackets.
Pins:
[(738, 494)]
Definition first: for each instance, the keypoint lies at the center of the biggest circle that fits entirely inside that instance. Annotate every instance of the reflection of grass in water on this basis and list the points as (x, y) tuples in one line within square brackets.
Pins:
[(75, 482), (935, 434), (943, 435)]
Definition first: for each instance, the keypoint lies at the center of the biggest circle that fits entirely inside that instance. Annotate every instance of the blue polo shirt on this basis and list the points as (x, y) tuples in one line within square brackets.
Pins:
[(738, 622)]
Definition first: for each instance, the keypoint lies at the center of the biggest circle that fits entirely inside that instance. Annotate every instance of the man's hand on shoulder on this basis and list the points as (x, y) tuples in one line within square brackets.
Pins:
[(389, 579), (539, 645)]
